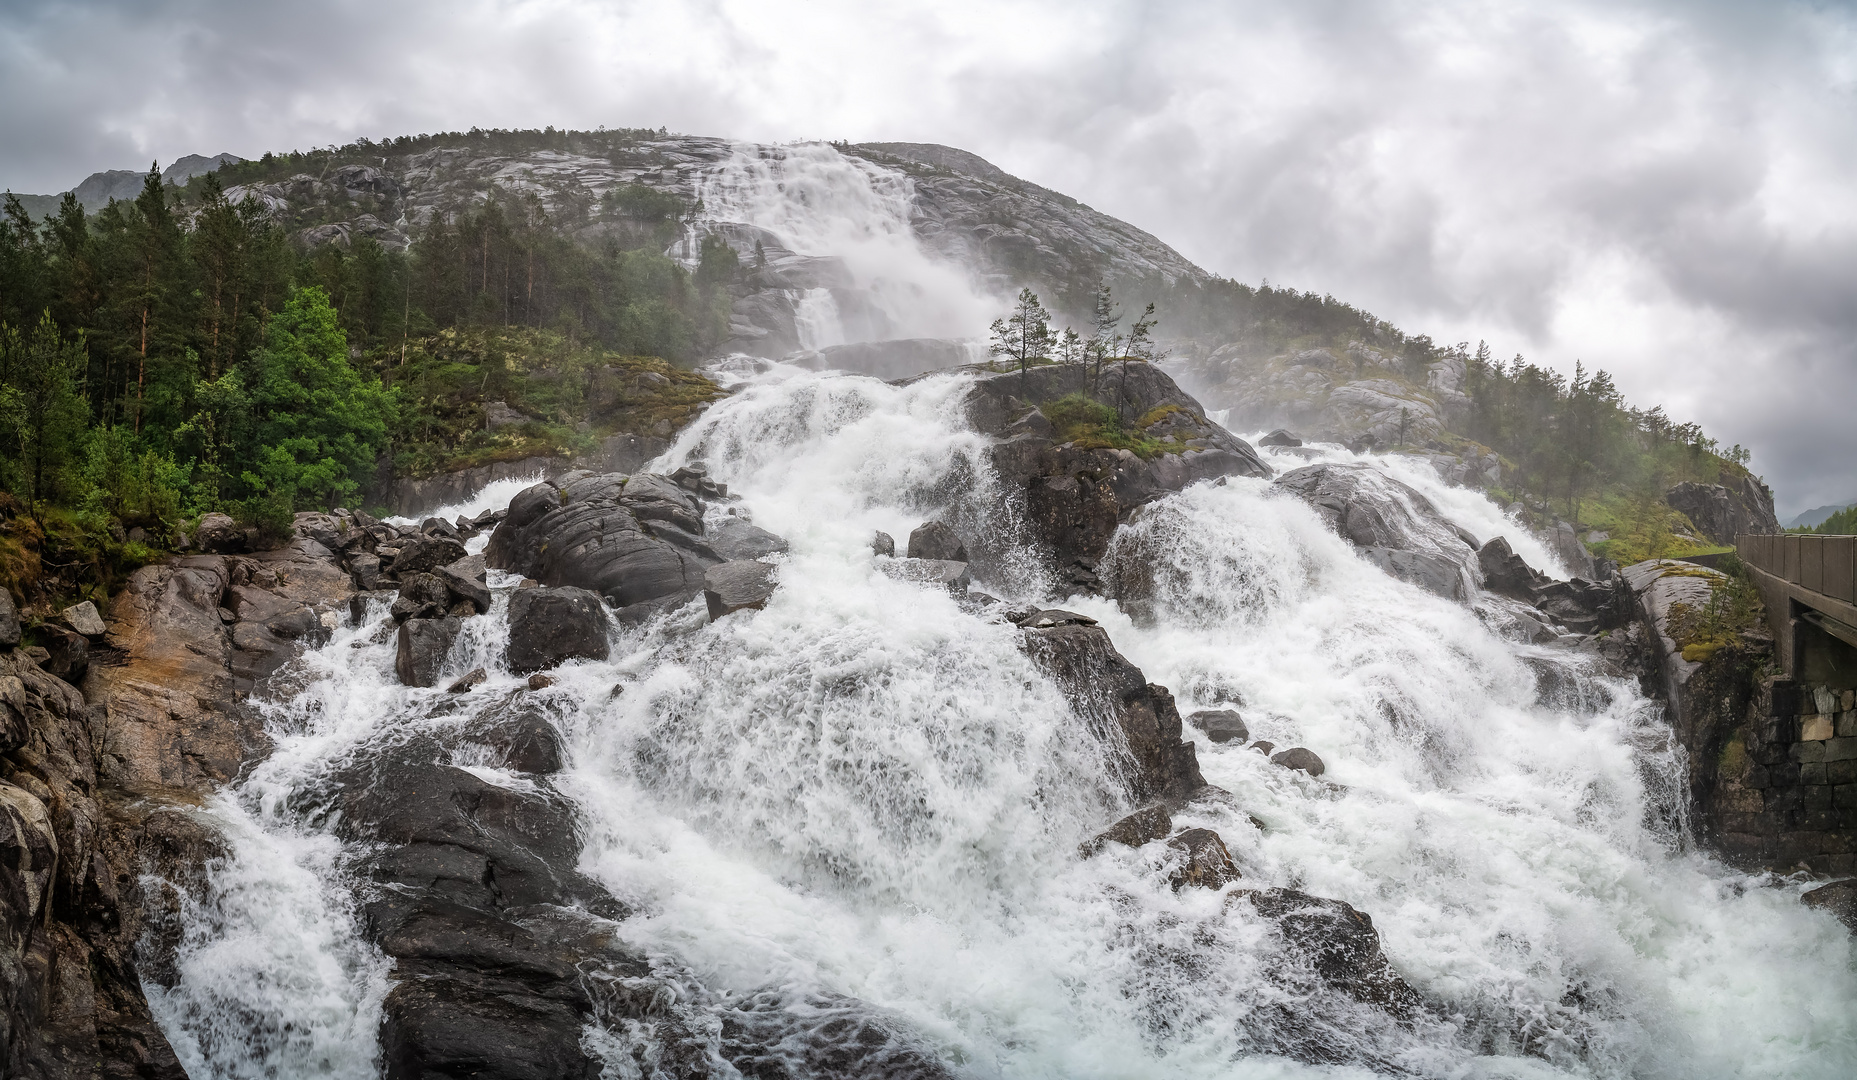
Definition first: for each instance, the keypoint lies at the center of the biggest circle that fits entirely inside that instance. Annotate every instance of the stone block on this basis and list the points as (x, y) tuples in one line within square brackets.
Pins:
[(1841, 865), (1813, 773), (1816, 797), (1769, 752), (1782, 799), (1848, 700), (1804, 752), (1841, 772), (1847, 723), (1844, 797), (1784, 775), (1758, 777), (1841, 749), (1816, 727)]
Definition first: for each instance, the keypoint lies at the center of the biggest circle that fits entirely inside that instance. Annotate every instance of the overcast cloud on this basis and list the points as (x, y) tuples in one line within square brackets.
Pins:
[(1664, 190)]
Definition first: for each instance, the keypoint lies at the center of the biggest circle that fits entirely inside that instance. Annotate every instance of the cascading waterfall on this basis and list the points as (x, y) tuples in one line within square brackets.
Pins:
[(851, 219), (866, 790)]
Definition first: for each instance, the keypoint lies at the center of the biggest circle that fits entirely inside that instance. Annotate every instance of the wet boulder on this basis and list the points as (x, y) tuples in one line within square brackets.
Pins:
[(218, 534), (422, 596), (550, 626), (635, 540), (464, 582), (1390, 522), (1151, 822), (422, 647), (737, 539), (882, 543), (519, 738), (738, 585), (1220, 725), (1506, 573), (1204, 861), (1299, 759), (1338, 942), (1839, 898), (1281, 437), (1116, 700), (935, 540)]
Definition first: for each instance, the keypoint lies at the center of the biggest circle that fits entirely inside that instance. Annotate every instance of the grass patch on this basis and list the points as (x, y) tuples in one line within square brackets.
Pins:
[(1091, 425)]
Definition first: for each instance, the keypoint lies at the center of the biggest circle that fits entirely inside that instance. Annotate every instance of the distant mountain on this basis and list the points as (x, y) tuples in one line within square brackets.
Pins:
[(1816, 516), (99, 188)]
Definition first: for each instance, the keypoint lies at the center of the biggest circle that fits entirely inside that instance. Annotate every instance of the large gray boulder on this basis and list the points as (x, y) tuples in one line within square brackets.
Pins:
[(738, 585), (421, 648), (550, 626), (638, 541), (1391, 523)]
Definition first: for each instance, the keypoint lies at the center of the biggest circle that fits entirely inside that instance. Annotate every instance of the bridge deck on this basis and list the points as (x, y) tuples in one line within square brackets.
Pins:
[(1804, 579)]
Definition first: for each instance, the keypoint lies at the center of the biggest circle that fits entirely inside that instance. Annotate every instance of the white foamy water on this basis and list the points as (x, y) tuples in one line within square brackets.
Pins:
[(865, 789)]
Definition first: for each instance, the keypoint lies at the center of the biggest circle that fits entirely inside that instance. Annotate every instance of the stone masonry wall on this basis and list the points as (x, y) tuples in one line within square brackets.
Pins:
[(1788, 782)]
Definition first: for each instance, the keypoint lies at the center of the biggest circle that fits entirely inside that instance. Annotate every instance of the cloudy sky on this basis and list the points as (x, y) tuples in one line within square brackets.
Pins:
[(1664, 190)]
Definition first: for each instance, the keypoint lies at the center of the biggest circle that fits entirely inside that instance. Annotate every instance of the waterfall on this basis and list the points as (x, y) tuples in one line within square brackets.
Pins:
[(839, 240), (866, 790)]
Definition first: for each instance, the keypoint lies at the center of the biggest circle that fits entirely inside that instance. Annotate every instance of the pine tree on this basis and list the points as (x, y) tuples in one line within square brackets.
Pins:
[(1023, 336)]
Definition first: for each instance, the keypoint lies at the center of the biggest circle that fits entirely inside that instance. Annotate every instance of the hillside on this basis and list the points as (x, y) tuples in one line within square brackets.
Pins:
[(441, 258)]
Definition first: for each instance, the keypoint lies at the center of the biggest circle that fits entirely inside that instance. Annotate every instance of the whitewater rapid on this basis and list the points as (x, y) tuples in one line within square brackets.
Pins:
[(866, 789)]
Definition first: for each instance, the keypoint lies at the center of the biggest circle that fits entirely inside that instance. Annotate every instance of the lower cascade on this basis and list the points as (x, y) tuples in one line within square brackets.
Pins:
[(1264, 804)]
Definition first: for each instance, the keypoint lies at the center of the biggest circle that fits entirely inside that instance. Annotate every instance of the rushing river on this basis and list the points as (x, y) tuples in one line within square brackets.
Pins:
[(866, 789)]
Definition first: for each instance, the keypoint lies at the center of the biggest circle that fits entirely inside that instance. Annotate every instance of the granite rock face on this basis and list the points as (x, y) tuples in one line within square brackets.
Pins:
[(1724, 511)]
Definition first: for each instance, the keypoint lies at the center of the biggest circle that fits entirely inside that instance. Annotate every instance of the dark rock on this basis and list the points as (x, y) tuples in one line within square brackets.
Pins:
[(593, 532), (738, 585), (434, 526), (523, 739), (422, 596), (1300, 759), (1208, 865), (1281, 437), (426, 554), (1723, 512), (325, 529), (1506, 573), (549, 626), (737, 539), (1338, 942), (1220, 725), (1263, 746), (539, 681), (67, 654), (1075, 496), (1586, 606), (935, 540), (423, 646), (474, 677), (1839, 898), (9, 620), (883, 544), (1151, 822), (1044, 620), (1116, 700), (464, 585), (365, 570)]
